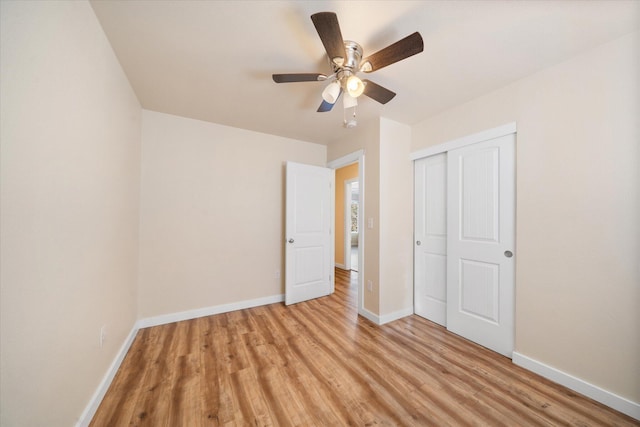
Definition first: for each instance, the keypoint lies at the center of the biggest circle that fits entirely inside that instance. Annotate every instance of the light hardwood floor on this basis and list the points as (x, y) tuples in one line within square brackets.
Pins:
[(318, 364)]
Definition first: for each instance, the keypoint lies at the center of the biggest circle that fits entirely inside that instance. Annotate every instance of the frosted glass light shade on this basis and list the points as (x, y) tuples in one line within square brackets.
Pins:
[(331, 92)]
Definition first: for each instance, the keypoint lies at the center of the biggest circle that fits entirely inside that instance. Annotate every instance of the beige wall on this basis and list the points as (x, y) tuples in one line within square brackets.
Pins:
[(212, 213), (578, 209), (343, 174), (396, 218), (69, 198), (388, 193), (388, 190), (367, 137), (70, 163)]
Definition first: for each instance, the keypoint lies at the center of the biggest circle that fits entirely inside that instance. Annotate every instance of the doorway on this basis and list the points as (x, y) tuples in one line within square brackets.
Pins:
[(351, 230), (346, 233), (342, 251)]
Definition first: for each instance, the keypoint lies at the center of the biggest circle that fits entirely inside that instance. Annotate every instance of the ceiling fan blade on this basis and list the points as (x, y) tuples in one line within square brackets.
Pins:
[(377, 92), (328, 29), (391, 54), (303, 77)]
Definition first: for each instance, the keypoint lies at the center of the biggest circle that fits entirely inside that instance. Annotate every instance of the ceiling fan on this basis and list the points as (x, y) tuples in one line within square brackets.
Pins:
[(346, 61)]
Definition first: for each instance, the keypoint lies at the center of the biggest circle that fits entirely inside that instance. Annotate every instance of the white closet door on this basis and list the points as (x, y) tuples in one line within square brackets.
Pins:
[(480, 243), (430, 245)]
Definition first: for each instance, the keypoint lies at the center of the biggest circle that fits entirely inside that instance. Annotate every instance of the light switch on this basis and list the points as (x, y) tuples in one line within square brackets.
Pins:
[(370, 223)]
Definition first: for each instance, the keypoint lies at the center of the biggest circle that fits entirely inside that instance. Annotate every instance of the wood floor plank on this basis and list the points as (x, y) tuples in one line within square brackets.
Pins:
[(310, 385), (378, 382), (455, 382), (209, 390), (318, 363), (513, 381), (155, 409)]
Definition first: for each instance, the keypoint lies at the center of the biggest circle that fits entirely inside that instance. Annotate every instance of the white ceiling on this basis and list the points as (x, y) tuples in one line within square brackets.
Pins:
[(213, 60)]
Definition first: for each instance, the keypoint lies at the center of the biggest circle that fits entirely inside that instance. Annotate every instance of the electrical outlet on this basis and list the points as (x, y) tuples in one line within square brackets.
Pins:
[(277, 275), (369, 285), (103, 335)]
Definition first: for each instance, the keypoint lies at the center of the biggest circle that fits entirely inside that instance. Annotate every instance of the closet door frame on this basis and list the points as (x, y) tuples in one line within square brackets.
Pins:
[(497, 132)]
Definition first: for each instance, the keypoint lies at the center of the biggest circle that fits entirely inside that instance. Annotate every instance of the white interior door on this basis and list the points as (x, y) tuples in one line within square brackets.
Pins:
[(430, 245), (480, 243), (309, 218)]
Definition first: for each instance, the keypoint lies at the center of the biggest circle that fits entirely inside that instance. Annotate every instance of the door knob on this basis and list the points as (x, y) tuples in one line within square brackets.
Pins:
[(418, 243), (291, 240), (508, 254)]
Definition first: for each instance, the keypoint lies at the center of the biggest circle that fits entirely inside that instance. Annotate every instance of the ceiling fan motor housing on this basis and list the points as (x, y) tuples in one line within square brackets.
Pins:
[(350, 64)]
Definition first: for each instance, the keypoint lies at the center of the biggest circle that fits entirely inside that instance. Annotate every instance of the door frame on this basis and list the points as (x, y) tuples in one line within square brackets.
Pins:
[(356, 157), (485, 135), (347, 222)]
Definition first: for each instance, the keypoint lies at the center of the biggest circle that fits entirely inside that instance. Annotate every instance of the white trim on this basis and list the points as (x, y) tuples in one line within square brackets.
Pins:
[(485, 135), (386, 318), (341, 267), (208, 311), (369, 315), (346, 160), (601, 395), (96, 399)]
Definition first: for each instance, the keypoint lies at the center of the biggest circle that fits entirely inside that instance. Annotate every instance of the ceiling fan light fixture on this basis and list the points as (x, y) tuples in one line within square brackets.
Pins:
[(355, 86), (331, 93)]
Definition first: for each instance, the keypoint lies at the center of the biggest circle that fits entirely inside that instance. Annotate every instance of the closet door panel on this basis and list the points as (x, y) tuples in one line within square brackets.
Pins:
[(430, 244), (480, 242)]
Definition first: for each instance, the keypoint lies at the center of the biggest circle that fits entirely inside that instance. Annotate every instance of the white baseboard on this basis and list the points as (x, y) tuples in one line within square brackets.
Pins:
[(208, 311), (596, 393), (386, 318), (92, 407), (369, 315)]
